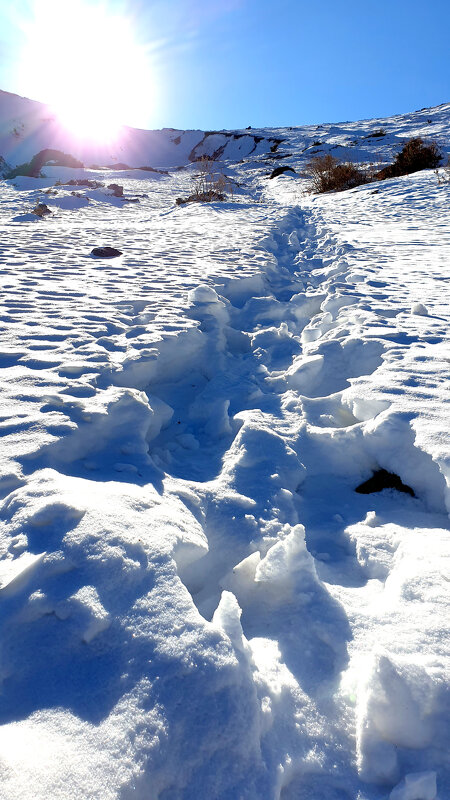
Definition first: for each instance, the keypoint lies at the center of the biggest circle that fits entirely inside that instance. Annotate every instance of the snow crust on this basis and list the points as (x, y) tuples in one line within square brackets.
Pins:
[(194, 601)]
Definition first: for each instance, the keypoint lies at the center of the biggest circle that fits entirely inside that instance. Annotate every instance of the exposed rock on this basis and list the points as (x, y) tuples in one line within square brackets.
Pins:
[(152, 169), (105, 252), (118, 166), (198, 152), (280, 171), (5, 169), (84, 182), (116, 189), (203, 197), (32, 169), (41, 210), (276, 144)]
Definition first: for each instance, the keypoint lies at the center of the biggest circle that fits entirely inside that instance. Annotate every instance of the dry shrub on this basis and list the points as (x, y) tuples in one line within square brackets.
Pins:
[(208, 185), (416, 154), (328, 174), (443, 176)]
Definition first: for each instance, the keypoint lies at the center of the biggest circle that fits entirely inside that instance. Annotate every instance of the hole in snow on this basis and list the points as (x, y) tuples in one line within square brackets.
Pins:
[(382, 479)]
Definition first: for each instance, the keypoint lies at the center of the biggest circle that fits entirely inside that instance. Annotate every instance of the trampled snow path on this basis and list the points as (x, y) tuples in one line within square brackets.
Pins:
[(160, 462)]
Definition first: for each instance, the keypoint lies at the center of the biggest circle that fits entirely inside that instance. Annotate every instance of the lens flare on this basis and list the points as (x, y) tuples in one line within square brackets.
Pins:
[(85, 62)]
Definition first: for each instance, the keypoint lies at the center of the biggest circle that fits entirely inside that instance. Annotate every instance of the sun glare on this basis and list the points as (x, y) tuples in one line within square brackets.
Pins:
[(88, 67)]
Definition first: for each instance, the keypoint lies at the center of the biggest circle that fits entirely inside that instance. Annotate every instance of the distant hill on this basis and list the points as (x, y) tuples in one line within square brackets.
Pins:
[(28, 127)]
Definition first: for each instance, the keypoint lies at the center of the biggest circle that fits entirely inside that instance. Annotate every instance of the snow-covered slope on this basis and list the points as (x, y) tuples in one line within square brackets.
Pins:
[(194, 600), (28, 127)]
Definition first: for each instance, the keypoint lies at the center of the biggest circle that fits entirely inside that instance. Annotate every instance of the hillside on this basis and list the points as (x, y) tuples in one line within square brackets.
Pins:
[(225, 471)]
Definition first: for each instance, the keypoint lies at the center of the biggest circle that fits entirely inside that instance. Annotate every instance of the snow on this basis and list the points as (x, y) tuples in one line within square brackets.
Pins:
[(195, 602)]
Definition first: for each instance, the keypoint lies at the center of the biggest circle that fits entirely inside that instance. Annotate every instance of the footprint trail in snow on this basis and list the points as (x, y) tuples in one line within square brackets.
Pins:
[(194, 601)]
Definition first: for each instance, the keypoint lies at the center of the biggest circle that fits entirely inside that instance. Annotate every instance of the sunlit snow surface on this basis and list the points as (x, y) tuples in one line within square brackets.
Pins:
[(194, 601)]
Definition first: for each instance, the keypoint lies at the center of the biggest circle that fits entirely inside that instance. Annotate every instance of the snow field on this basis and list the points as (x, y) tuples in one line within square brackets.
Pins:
[(195, 602)]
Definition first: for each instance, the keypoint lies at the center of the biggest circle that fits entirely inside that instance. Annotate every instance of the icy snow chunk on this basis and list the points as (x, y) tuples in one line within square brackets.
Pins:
[(376, 544), (306, 306), (416, 786), (288, 565), (303, 371), (396, 708), (16, 573), (294, 240), (162, 414), (420, 310), (227, 616), (203, 294), (94, 616), (241, 579), (119, 421)]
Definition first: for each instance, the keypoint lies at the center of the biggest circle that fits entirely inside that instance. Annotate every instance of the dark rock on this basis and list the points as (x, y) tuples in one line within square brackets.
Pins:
[(32, 169), (152, 169), (281, 170), (202, 197), (41, 210), (276, 144), (278, 156), (177, 140), (382, 479), (116, 189), (105, 252), (84, 182), (56, 158), (118, 166), (5, 169)]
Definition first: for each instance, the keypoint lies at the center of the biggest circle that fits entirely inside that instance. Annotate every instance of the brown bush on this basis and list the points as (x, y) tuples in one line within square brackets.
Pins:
[(328, 174), (416, 154)]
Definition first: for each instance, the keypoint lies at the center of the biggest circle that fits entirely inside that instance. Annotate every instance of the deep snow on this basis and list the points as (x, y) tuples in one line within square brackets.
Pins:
[(194, 601)]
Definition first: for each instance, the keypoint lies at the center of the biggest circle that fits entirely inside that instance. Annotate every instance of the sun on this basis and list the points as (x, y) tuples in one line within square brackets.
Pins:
[(88, 67)]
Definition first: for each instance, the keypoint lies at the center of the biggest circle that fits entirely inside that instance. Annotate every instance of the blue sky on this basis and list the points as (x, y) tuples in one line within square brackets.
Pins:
[(253, 62)]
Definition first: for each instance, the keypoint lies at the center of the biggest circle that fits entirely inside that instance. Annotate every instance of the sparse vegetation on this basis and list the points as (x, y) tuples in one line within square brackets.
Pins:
[(444, 175), (328, 174), (416, 154), (208, 185)]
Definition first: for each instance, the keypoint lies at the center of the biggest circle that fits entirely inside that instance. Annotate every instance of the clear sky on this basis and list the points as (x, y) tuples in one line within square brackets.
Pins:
[(232, 63)]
